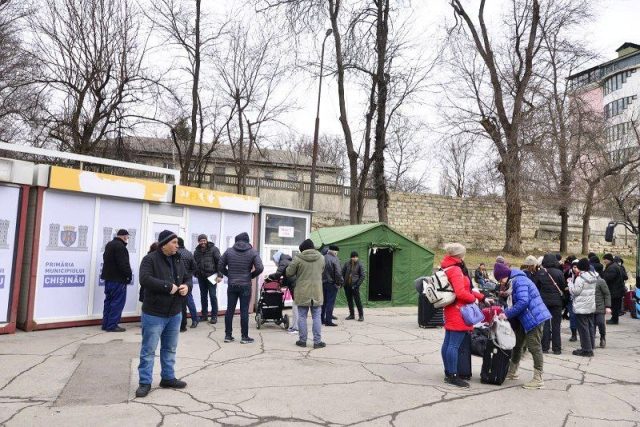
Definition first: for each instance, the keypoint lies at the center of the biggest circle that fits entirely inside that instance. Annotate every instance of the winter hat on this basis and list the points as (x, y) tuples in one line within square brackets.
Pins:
[(501, 271), (122, 232), (591, 255), (334, 248), (608, 256), (306, 245), (530, 261), (539, 261), (165, 237), (583, 265), (276, 257), (558, 257), (354, 254), (181, 242), (242, 237), (202, 236), (455, 250), (500, 259), (594, 259)]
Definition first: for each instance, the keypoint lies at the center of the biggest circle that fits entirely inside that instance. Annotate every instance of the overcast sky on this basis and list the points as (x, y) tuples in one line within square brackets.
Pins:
[(616, 23)]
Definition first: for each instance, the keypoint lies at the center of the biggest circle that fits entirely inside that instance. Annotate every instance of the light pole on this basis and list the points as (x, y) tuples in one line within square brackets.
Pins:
[(314, 160)]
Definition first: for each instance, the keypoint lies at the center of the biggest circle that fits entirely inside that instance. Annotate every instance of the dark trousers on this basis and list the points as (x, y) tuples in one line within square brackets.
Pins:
[(208, 291), (353, 294), (599, 322), (188, 302), (235, 293), (115, 296), (329, 292), (551, 333), (585, 330), (616, 303)]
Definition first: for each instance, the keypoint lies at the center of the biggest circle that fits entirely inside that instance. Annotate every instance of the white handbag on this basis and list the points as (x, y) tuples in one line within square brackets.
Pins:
[(502, 334)]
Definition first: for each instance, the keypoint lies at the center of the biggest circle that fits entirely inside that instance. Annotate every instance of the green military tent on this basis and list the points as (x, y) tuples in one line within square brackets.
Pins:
[(391, 260)]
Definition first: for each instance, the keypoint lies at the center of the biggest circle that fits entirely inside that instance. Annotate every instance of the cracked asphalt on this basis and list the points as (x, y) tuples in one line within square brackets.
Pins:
[(382, 372)]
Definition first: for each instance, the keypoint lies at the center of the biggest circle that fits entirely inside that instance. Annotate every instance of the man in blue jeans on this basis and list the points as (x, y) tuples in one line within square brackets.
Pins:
[(117, 274), (166, 284), (240, 264)]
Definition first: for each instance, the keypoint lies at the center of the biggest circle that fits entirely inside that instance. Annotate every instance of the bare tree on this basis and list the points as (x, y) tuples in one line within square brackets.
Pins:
[(619, 159), (251, 74), (19, 100), (89, 56), (456, 156), (405, 151), (190, 34), (509, 65)]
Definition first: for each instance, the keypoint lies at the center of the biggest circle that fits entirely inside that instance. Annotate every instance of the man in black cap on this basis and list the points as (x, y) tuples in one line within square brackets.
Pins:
[(207, 257), (353, 275), (331, 283), (615, 281), (117, 274), (166, 284), (241, 264)]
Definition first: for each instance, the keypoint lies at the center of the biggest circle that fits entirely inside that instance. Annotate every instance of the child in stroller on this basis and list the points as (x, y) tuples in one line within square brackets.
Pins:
[(271, 304)]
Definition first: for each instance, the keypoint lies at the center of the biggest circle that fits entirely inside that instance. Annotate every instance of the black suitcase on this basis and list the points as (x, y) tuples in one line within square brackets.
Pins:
[(495, 364), (464, 358), (479, 341), (428, 315)]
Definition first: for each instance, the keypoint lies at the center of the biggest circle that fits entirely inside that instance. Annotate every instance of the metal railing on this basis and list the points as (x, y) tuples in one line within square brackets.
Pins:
[(290, 185)]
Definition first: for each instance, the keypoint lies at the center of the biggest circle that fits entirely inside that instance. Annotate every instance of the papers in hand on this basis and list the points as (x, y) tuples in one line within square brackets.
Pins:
[(213, 278)]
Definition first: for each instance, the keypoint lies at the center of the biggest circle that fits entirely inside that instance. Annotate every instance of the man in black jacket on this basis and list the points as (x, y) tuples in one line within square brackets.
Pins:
[(166, 284), (353, 275), (615, 281), (116, 273), (190, 265), (332, 281), (552, 286), (241, 264), (207, 257)]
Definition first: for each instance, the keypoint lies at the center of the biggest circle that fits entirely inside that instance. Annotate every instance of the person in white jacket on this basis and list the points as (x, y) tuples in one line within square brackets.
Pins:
[(583, 290)]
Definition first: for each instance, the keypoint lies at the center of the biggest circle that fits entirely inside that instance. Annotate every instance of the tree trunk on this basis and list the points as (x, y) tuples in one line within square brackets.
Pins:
[(194, 93), (564, 228), (586, 216), (513, 201), (382, 29), (334, 10)]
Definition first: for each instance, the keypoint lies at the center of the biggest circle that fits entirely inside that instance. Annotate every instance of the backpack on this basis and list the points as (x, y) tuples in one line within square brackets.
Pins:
[(438, 290)]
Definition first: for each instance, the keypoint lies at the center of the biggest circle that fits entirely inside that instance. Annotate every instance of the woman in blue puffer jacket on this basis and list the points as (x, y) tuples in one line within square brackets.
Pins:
[(527, 315)]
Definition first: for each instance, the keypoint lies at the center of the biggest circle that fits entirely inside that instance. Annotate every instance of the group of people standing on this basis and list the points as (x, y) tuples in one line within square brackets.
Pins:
[(166, 284), (536, 295)]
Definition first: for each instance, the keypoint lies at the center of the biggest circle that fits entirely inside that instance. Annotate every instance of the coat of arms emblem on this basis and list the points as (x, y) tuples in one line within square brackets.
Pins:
[(68, 235)]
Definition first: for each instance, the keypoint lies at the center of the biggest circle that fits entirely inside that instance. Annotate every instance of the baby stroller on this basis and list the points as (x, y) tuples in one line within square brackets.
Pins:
[(271, 304)]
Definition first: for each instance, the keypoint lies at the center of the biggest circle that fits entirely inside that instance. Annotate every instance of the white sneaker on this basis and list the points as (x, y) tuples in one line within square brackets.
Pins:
[(292, 331)]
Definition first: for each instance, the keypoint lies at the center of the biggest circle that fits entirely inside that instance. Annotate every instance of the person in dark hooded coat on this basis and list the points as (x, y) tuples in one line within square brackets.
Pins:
[(597, 265), (552, 286), (240, 264)]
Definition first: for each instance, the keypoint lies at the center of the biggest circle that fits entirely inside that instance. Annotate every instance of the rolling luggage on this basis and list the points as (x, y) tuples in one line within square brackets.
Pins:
[(629, 299), (428, 315), (464, 358), (495, 364)]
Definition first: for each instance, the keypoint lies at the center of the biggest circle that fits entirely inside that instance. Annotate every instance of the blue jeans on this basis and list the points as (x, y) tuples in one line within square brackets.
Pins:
[(573, 324), (450, 349), (154, 329), (329, 293), (191, 305), (316, 323), (243, 293), (115, 295), (208, 292)]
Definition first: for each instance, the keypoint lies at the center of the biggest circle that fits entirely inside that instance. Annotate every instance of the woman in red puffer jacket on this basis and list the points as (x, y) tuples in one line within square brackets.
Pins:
[(455, 327)]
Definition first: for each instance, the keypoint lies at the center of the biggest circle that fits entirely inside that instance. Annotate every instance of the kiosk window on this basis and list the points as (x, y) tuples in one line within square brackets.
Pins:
[(284, 230)]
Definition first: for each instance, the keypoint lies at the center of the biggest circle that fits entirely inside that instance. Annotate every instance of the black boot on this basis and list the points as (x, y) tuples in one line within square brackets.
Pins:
[(457, 381), (574, 335)]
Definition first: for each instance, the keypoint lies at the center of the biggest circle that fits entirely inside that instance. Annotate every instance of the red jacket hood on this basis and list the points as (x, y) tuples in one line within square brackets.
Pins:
[(448, 261)]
